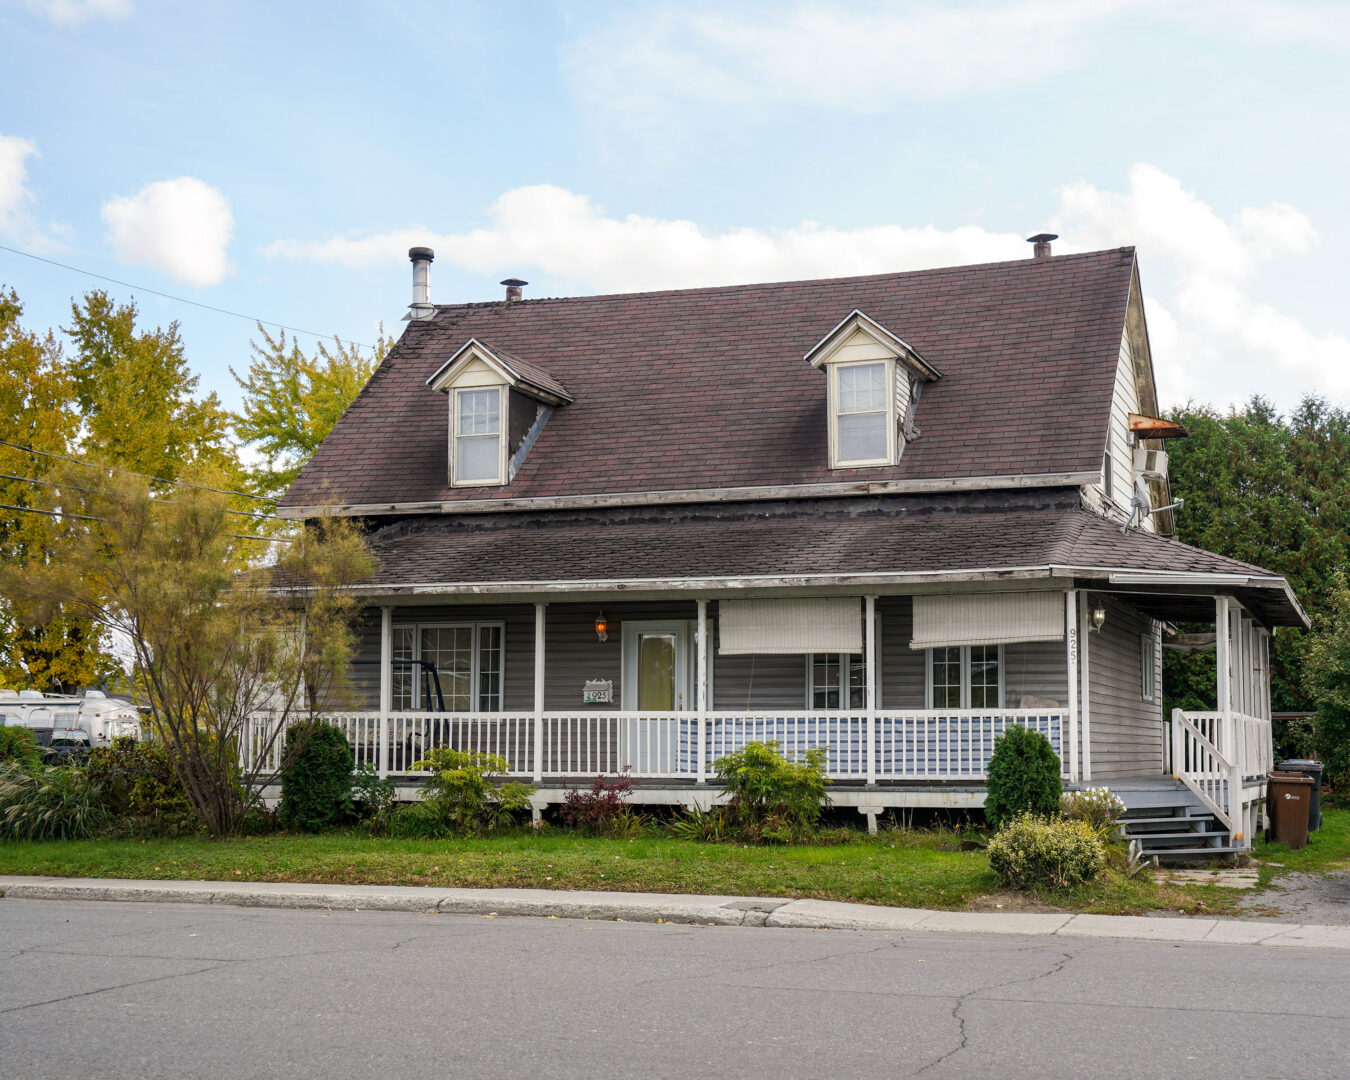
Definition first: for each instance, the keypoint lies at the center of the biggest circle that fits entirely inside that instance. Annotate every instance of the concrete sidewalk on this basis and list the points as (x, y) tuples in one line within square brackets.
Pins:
[(662, 907)]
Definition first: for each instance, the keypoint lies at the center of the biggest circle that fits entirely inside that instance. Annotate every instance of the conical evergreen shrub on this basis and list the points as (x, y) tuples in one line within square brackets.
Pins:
[(1023, 777)]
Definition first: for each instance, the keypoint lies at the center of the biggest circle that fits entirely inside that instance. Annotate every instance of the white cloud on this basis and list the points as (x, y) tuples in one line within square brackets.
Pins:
[(17, 223), (569, 237), (641, 73), (75, 12), (1212, 337), (182, 227), (14, 193)]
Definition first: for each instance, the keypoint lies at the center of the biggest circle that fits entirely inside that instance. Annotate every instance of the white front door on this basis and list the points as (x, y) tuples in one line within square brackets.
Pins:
[(656, 668)]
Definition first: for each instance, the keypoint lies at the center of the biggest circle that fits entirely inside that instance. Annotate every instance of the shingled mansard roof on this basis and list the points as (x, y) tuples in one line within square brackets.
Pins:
[(707, 388)]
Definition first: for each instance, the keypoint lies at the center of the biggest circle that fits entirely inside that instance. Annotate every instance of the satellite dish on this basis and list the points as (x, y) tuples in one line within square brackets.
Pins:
[(1143, 498)]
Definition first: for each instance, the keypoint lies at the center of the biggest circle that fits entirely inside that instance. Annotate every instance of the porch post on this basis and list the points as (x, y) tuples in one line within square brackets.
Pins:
[(386, 684), (1222, 673), (539, 619), (701, 659), (870, 629), (1071, 661), (1077, 743)]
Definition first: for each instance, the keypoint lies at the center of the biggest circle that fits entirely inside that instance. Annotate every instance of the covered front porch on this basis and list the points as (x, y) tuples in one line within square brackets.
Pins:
[(908, 703)]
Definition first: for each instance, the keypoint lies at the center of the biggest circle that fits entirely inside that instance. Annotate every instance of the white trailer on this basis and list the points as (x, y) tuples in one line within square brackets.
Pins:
[(104, 718)]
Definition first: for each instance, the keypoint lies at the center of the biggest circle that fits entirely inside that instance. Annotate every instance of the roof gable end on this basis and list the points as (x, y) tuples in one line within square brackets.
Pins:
[(858, 322), (520, 374)]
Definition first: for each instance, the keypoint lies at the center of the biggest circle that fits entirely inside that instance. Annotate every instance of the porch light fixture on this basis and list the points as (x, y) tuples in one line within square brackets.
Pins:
[(601, 627), (1098, 619)]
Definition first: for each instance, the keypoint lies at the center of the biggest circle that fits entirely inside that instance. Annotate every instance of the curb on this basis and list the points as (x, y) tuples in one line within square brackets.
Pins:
[(662, 907)]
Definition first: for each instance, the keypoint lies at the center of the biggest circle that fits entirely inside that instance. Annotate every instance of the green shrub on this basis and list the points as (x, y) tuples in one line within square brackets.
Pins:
[(461, 799), (1030, 851), (1023, 776), (50, 804), (1098, 808), (374, 798), (141, 788), (316, 788), (769, 798), (21, 745)]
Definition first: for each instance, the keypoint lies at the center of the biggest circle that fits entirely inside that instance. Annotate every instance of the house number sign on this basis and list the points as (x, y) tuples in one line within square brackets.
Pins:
[(597, 692)]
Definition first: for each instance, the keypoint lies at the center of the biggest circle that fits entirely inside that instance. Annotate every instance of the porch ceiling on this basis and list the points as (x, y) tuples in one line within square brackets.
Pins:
[(727, 547)]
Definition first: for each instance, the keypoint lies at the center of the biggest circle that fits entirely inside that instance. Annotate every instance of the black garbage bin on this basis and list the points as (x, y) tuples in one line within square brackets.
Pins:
[(1313, 769)]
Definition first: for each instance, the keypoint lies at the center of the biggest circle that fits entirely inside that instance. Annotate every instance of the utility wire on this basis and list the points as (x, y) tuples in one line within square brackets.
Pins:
[(130, 472), (99, 491), (185, 300), (86, 517)]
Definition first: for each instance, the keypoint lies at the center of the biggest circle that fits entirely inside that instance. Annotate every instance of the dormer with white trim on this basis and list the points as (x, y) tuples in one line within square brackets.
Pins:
[(499, 403), (874, 381)]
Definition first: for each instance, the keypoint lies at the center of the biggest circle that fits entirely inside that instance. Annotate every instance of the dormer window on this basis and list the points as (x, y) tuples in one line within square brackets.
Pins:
[(862, 415), (874, 384), (499, 404), (480, 451)]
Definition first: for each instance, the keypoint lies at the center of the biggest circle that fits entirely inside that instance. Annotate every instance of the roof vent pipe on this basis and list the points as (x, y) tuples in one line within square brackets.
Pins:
[(513, 287), (1042, 242), (421, 306)]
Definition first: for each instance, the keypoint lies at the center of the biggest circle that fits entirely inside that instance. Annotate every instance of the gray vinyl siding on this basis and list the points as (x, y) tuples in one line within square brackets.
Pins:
[(1035, 669), (1126, 735), (573, 655), (902, 668)]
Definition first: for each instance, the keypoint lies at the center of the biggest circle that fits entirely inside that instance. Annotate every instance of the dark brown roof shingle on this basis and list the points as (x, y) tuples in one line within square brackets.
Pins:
[(707, 388)]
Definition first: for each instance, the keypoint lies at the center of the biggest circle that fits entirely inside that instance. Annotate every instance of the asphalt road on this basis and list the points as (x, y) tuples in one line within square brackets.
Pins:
[(167, 990)]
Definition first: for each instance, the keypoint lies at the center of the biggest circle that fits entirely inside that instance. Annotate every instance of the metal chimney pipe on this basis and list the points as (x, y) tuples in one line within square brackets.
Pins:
[(1042, 244), (421, 306), (513, 287)]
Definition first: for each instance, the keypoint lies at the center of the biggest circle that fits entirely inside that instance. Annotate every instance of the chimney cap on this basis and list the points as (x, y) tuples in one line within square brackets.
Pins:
[(417, 253), (517, 282), (1042, 238)]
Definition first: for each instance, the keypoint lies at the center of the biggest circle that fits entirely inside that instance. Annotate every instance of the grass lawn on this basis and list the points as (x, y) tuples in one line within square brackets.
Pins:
[(903, 868)]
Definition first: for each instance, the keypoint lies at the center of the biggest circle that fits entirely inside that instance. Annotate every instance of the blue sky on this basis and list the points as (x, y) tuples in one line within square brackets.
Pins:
[(279, 159)]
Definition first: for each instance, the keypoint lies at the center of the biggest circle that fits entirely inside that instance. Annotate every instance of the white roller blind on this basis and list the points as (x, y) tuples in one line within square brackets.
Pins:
[(987, 619), (800, 625)]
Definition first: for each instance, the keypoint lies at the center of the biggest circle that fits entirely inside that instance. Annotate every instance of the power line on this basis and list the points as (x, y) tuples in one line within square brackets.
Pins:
[(131, 472), (99, 491), (86, 517), (185, 300)]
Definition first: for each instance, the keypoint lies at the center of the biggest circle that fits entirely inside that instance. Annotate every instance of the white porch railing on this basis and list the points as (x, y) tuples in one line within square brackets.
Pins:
[(906, 745), (1218, 755)]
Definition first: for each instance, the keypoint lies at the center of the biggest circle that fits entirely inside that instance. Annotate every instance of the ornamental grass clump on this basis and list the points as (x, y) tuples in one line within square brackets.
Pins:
[(1034, 852), (1023, 777)]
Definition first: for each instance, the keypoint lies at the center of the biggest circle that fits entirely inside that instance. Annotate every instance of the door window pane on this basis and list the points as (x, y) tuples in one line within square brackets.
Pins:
[(656, 671)]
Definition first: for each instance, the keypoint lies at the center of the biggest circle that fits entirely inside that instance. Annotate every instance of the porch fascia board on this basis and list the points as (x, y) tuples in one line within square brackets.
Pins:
[(697, 495)]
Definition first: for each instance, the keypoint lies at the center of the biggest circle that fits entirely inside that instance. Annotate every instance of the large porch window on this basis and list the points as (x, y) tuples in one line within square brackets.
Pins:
[(965, 677), (467, 659), (836, 681)]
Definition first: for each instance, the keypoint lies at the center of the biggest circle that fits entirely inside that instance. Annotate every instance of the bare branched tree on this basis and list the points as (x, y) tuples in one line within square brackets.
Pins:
[(235, 639)]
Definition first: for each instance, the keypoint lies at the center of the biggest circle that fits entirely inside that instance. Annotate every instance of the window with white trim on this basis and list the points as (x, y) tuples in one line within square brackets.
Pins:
[(1148, 669), (479, 443), (862, 429), (836, 681), (468, 660), (965, 677)]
